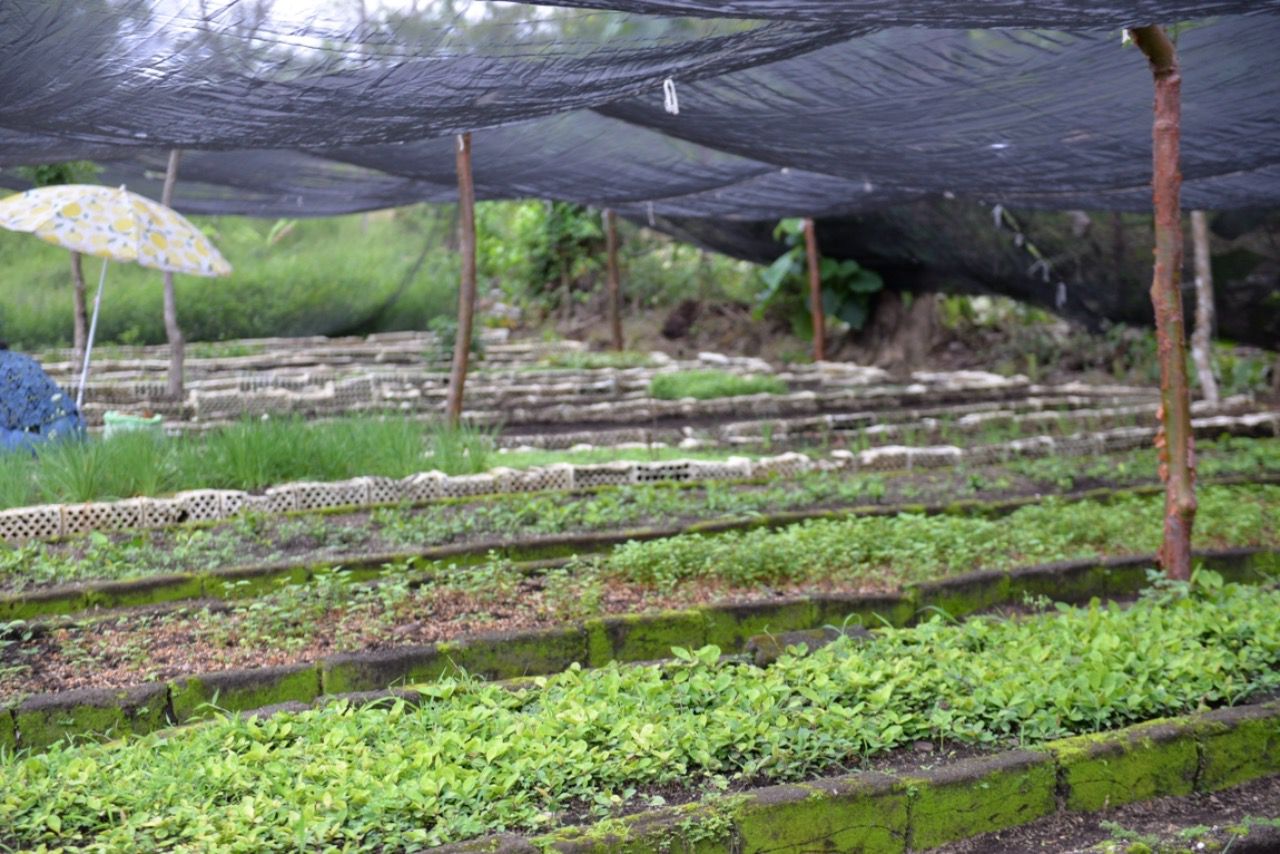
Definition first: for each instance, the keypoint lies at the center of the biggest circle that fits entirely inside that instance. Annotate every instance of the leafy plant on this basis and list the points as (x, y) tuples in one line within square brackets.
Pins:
[(705, 385), (847, 287)]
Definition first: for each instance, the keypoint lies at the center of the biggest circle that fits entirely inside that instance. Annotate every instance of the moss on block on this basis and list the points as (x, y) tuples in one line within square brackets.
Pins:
[(43, 603), (376, 671), (1238, 745), (1145, 761), (498, 843), (143, 591), (1245, 566), (101, 712), (730, 626), (252, 581), (508, 655), (837, 609), (1127, 576), (964, 594), (8, 732), (699, 828), (865, 813), (644, 637), (242, 690), (1068, 581), (981, 795)]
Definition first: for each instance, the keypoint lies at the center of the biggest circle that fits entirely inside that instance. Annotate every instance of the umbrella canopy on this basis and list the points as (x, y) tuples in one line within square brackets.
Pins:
[(115, 224)]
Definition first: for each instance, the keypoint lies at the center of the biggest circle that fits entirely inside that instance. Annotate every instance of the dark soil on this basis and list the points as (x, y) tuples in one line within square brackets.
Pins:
[(1201, 822)]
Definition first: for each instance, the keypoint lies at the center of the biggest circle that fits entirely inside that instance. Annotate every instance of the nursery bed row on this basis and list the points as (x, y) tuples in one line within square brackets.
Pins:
[(457, 758), (237, 581)]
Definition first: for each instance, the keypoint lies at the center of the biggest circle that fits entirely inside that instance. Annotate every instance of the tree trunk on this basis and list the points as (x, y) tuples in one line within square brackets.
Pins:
[(1202, 337), (80, 331), (614, 286), (467, 289), (815, 293), (177, 344), (1174, 439)]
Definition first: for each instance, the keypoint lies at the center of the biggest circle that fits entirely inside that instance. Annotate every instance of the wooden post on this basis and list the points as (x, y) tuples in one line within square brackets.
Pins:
[(80, 323), (467, 288), (1202, 336), (815, 292), (1174, 439), (615, 299), (177, 344)]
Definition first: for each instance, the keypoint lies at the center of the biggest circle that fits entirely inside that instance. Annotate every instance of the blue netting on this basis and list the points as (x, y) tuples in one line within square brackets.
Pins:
[(32, 406)]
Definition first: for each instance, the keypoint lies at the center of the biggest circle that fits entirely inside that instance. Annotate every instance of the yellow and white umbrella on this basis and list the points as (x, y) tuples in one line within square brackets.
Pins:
[(114, 225)]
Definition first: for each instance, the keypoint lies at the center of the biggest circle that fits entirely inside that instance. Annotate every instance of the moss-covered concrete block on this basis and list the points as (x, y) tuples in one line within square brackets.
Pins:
[(964, 594), (1068, 581), (252, 581), (644, 637), (242, 690), (1238, 745), (838, 609), (730, 626), (143, 591), (52, 601), (696, 828), (1145, 761), (1243, 566), (8, 732), (864, 813), (768, 648), (376, 671), (97, 712), (981, 795), (1127, 576), (508, 655)]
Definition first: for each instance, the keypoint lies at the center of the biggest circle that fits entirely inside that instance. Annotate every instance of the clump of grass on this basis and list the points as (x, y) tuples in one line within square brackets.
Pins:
[(461, 449), (575, 361), (704, 385)]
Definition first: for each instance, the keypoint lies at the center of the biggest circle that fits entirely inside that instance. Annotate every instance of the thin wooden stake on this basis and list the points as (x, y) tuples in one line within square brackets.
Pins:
[(80, 322), (177, 343), (615, 287), (467, 289), (1174, 439), (815, 292), (1202, 336)]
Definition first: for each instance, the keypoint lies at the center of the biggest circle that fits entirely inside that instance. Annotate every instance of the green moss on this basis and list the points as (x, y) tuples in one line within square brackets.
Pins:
[(1239, 745), (254, 582), (8, 731), (149, 591), (1126, 579), (644, 637), (41, 604), (1078, 583), (729, 626), (41, 722), (508, 656), (867, 813), (868, 611), (1144, 761), (348, 673), (981, 797), (243, 690), (962, 595)]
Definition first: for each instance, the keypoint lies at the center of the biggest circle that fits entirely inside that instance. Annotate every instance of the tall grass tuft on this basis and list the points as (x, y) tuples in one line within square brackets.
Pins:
[(704, 385), (464, 449)]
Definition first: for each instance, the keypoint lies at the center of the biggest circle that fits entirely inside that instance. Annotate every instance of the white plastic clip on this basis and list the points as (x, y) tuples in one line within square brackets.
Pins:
[(670, 100)]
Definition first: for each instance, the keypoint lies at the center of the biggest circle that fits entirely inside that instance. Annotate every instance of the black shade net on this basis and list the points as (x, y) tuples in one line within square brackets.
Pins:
[(768, 109)]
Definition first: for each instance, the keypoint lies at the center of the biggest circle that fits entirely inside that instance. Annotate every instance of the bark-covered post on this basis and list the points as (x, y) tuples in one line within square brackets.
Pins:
[(1174, 439), (177, 344), (80, 323), (467, 289), (615, 298), (1202, 336), (815, 292)]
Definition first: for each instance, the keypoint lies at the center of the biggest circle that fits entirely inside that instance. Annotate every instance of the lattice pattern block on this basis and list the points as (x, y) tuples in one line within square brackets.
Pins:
[(200, 504), (381, 490), (789, 464), (887, 458), (309, 495), (160, 512), (423, 486), (653, 472), (278, 499), (934, 456), (734, 468), (40, 522), (100, 516), (465, 485), (559, 476), (233, 502), (603, 474)]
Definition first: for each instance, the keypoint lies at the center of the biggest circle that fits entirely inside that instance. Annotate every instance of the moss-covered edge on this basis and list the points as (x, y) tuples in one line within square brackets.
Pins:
[(596, 642), (893, 813), (257, 579)]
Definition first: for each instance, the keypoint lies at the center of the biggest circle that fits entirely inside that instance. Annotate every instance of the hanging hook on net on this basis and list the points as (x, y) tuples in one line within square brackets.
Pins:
[(670, 100)]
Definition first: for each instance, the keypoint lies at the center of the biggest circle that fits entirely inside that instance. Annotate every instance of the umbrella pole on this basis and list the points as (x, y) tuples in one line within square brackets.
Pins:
[(93, 328)]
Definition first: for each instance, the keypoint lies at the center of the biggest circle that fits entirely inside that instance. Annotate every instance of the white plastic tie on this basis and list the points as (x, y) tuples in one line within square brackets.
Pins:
[(670, 100), (652, 222)]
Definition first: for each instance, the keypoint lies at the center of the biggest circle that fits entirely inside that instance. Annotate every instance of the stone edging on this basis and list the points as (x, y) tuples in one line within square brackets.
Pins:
[(48, 521), (902, 811), (43, 719)]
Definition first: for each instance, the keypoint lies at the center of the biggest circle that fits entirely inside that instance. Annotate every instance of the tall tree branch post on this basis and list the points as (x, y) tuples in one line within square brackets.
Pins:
[(1202, 336), (1174, 440), (177, 344), (614, 285), (80, 322), (467, 288), (815, 292)]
